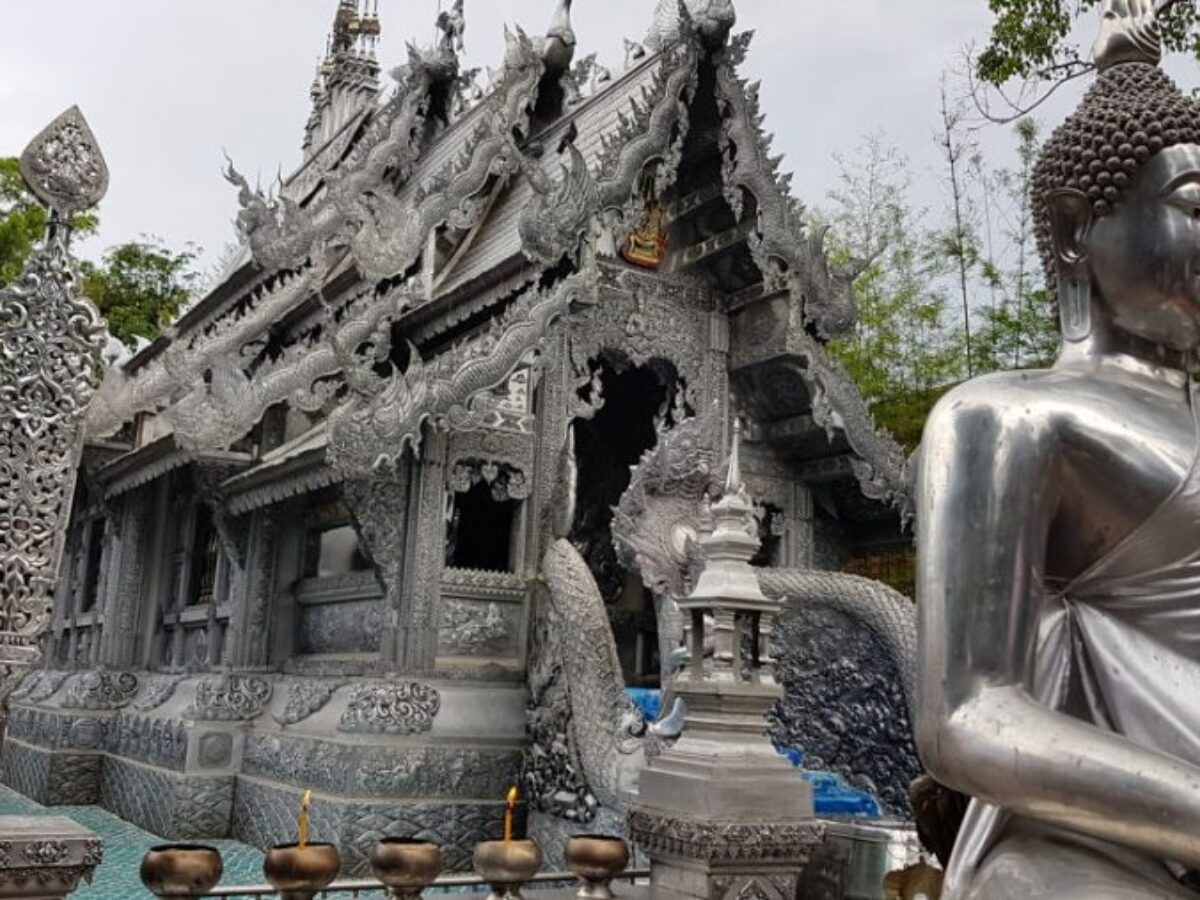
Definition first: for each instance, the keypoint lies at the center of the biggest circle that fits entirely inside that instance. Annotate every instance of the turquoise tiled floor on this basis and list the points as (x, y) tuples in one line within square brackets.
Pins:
[(124, 845)]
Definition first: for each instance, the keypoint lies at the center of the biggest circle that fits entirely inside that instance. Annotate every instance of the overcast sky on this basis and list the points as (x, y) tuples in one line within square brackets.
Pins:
[(168, 84)]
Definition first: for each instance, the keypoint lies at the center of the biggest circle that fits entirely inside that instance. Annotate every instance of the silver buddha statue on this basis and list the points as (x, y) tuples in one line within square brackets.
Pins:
[(1059, 526)]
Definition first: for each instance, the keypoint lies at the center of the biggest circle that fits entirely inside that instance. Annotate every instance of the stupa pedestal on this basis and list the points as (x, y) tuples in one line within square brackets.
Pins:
[(45, 858), (721, 815)]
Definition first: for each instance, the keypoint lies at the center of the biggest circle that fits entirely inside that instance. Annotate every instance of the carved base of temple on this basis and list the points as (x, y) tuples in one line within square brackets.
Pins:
[(212, 756), (45, 858), (716, 860)]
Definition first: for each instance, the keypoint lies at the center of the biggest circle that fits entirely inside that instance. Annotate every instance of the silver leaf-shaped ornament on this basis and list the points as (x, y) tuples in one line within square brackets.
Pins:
[(64, 167)]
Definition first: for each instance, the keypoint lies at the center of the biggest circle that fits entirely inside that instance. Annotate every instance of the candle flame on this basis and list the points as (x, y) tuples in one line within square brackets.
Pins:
[(305, 803), (510, 803)]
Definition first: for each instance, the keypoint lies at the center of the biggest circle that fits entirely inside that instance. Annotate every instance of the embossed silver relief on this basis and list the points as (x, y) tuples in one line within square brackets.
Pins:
[(50, 343), (64, 167), (100, 690), (470, 629), (391, 707), (304, 698), (229, 698), (158, 690)]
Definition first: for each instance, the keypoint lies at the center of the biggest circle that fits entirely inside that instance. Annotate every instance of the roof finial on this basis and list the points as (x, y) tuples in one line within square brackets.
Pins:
[(559, 49)]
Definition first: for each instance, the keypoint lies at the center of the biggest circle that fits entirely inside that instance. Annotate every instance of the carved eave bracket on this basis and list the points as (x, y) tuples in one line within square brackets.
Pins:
[(879, 462), (786, 250)]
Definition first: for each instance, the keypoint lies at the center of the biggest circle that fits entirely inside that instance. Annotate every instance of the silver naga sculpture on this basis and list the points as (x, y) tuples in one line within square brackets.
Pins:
[(51, 341), (1058, 520)]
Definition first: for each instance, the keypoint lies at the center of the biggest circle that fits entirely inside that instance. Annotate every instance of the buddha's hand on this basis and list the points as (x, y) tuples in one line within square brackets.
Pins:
[(1130, 32)]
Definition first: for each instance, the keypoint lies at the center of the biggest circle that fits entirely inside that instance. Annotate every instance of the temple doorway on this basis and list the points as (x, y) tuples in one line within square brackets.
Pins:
[(634, 401)]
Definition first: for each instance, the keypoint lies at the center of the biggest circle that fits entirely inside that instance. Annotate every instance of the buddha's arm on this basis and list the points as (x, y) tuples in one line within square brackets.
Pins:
[(985, 500)]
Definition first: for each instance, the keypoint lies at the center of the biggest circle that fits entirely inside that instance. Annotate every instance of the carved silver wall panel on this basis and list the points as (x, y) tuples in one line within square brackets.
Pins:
[(478, 629), (354, 627), (100, 690), (50, 343), (174, 806), (229, 698), (158, 742), (373, 770), (391, 707)]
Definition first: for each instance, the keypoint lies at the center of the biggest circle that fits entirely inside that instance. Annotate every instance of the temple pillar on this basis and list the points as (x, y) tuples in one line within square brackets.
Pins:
[(118, 640), (418, 631), (247, 641), (800, 536)]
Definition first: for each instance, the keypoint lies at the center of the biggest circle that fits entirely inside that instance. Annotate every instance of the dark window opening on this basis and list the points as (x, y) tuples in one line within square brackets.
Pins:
[(771, 523), (91, 565), (637, 400), (479, 534), (333, 551), (206, 552)]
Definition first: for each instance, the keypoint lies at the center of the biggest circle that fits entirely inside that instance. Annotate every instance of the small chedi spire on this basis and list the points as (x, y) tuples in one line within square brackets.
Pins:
[(730, 547), (348, 77)]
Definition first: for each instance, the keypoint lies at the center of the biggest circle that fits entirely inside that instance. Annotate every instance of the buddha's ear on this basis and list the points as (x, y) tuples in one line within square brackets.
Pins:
[(1071, 220)]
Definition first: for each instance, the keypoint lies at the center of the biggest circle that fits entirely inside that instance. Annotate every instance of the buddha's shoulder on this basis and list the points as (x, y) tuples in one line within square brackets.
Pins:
[(1007, 402)]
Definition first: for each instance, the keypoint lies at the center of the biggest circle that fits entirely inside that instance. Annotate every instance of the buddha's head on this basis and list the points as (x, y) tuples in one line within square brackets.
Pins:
[(1117, 204)]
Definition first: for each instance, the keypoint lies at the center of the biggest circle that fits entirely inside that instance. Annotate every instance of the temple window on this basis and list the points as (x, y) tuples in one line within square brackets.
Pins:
[(331, 545), (93, 552), (481, 526), (206, 556), (333, 550)]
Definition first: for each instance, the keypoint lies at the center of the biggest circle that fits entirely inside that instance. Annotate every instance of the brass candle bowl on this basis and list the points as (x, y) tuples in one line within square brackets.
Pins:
[(506, 865), (299, 874), (596, 859), (406, 867), (181, 870)]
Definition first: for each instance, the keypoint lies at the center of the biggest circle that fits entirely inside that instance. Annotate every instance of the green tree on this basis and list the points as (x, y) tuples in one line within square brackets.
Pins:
[(140, 287), (1021, 331), (1032, 39), (23, 221), (904, 351)]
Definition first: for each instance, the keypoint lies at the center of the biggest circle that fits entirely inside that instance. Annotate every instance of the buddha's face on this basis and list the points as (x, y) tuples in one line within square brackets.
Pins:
[(1145, 255)]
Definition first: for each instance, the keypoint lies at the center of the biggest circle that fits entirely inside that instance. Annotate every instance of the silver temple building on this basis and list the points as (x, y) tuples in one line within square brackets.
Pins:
[(316, 539)]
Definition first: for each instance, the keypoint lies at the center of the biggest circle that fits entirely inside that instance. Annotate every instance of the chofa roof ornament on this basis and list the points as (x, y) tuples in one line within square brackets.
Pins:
[(64, 167)]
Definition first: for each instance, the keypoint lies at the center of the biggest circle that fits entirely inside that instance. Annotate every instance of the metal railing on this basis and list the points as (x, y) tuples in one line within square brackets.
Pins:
[(354, 888)]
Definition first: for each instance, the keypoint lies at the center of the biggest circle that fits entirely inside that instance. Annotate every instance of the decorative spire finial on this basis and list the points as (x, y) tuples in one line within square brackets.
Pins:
[(1130, 33), (64, 167), (559, 49)]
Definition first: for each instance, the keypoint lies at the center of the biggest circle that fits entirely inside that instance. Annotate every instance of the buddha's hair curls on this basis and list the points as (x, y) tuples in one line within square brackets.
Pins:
[(1132, 112)]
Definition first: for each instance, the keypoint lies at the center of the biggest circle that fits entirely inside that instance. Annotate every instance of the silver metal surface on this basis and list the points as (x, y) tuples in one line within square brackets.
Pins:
[(50, 345), (1058, 577)]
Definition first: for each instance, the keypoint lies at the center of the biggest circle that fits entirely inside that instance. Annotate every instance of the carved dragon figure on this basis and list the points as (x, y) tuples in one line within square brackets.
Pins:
[(606, 729)]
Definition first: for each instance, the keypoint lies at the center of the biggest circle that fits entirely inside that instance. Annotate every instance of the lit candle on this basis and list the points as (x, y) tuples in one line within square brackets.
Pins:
[(305, 803), (510, 803)]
